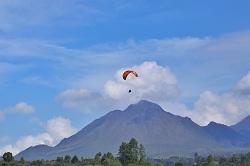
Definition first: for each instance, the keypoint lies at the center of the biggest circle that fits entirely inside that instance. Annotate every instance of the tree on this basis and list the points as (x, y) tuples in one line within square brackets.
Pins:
[(36, 162), (142, 153), (98, 156), (67, 159), (209, 158), (210, 161), (7, 156), (123, 153), (109, 160), (131, 154), (196, 158), (178, 164), (75, 159), (59, 159), (110, 156), (22, 161), (133, 150)]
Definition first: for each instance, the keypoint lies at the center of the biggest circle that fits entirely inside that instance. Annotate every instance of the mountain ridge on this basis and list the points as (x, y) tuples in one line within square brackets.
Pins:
[(242, 127), (161, 132)]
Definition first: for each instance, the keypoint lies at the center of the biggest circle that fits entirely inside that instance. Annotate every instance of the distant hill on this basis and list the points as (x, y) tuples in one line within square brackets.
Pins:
[(225, 135), (34, 152), (162, 133), (243, 127)]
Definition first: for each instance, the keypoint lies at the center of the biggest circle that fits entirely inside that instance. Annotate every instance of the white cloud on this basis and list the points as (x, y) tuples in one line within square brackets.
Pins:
[(227, 108), (243, 85), (154, 83), (159, 84), (26, 142), (191, 55), (21, 107), (59, 128), (56, 129)]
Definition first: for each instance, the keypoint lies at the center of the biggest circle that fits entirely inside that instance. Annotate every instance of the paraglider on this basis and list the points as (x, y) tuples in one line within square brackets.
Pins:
[(127, 73)]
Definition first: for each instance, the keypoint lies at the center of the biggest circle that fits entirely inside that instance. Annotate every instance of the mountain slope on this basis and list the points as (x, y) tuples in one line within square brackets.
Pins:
[(161, 133), (225, 135), (147, 122), (243, 127), (34, 151)]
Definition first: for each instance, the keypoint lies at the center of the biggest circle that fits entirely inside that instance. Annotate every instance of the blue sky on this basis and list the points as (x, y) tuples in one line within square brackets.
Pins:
[(59, 59)]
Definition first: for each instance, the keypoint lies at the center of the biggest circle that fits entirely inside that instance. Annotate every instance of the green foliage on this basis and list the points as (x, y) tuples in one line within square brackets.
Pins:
[(37, 163), (7, 157), (98, 156), (133, 150), (130, 154), (178, 164), (235, 160), (59, 159), (109, 160), (22, 161), (75, 159), (142, 153), (67, 158)]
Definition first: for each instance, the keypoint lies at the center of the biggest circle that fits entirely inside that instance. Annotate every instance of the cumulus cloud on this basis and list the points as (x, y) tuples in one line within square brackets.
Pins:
[(26, 142), (154, 83), (59, 128), (56, 129), (227, 108), (21, 107), (243, 85), (159, 84)]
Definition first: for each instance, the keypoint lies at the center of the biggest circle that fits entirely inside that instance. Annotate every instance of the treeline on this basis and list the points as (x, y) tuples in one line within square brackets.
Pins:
[(130, 154), (210, 160), (234, 160)]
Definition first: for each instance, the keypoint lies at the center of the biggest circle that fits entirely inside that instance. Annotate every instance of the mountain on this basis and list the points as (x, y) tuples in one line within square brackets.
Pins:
[(243, 127), (34, 151), (162, 133), (225, 135)]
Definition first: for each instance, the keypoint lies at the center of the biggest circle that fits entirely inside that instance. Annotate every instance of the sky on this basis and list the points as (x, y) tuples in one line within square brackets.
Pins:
[(61, 63)]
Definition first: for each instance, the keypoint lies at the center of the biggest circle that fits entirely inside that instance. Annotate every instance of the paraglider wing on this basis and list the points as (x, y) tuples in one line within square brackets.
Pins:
[(127, 72)]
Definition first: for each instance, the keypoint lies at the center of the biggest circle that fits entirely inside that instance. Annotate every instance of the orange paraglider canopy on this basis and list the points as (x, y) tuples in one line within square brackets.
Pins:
[(127, 72)]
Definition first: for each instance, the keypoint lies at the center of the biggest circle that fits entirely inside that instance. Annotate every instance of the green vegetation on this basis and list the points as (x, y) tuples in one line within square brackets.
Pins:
[(130, 154), (234, 160), (7, 157), (210, 160)]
